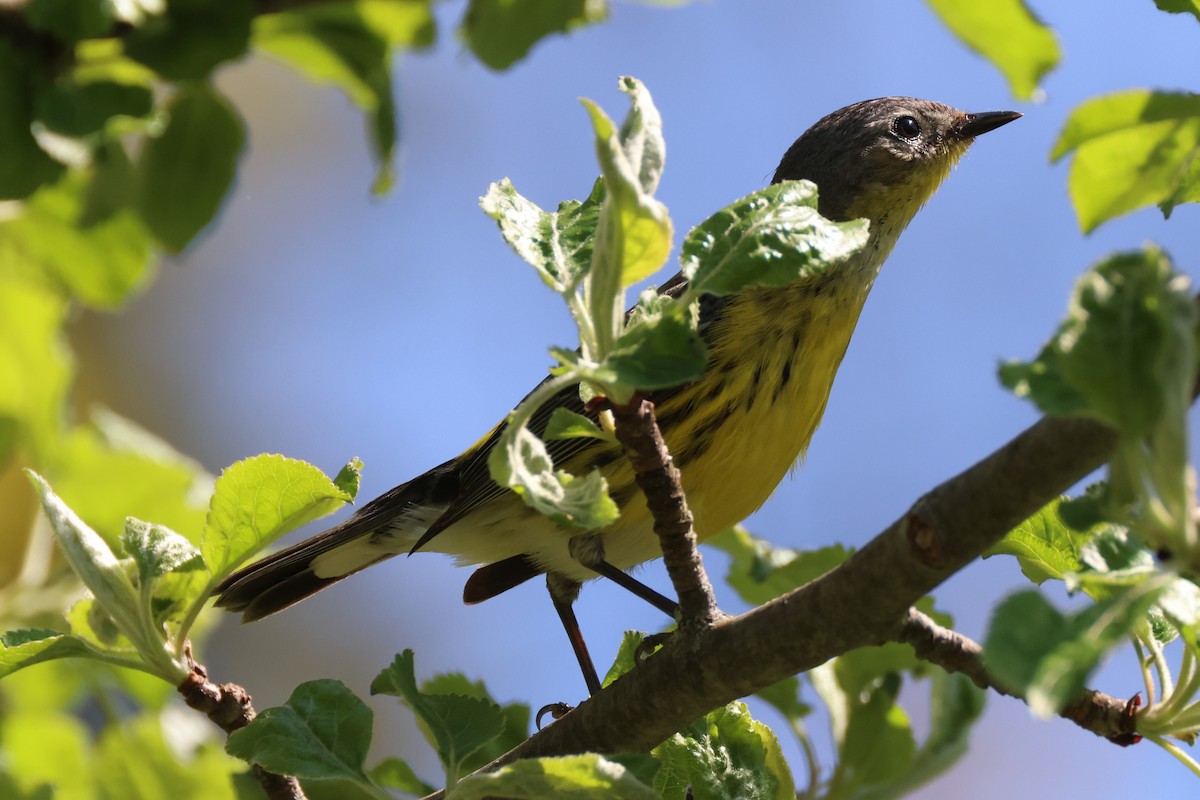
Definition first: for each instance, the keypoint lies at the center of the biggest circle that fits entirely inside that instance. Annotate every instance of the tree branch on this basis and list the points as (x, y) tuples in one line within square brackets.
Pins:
[(637, 431), (1102, 714), (943, 531), (229, 706)]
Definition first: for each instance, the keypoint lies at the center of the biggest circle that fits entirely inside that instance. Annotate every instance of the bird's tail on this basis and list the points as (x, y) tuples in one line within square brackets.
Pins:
[(386, 526)]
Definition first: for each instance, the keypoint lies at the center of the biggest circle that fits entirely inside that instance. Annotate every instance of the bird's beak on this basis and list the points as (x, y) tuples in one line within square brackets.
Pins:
[(974, 124)]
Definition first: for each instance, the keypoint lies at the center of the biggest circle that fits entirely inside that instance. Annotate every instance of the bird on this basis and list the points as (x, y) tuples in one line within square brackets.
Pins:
[(734, 433)]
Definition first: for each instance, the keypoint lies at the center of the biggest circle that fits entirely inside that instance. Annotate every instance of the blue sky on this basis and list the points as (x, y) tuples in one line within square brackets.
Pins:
[(317, 322)]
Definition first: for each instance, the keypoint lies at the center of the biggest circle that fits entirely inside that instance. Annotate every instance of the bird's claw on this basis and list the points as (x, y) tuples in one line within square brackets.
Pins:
[(556, 710)]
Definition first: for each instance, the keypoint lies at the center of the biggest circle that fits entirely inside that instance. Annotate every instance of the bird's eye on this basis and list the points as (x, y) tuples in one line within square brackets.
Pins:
[(907, 127)]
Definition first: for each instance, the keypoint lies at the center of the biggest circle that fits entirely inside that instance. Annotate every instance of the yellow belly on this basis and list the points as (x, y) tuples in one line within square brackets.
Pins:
[(734, 434)]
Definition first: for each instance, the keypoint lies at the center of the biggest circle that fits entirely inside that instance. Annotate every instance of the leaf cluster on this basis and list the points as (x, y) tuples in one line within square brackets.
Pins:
[(590, 252)]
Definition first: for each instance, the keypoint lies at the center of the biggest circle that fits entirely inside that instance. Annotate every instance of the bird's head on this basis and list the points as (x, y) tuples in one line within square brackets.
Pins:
[(883, 159)]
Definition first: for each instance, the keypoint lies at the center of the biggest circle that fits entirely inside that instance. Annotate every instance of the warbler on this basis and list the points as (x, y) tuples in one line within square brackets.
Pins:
[(734, 433)]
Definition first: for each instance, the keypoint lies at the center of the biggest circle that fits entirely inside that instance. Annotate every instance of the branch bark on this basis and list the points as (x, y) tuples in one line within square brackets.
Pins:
[(943, 531), (230, 707), (1102, 714), (637, 431)]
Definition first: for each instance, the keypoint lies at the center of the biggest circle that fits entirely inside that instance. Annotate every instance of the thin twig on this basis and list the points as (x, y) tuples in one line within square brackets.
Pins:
[(1102, 714), (637, 431), (229, 706), (943, 532)]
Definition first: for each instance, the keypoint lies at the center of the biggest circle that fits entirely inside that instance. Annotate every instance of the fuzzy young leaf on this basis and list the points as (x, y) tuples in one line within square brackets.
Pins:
[(456, 725), (557, 244), (1132, 149), (322, 732), (725, 754), (1036, 651), (501, 32), (582, 777), (1006, 33), (24, 648), (521, 462), (259, 499), (157, 550), (655, 353), (634, 233), (185, 172), (1044, 545), (93, 561), (769, 238)]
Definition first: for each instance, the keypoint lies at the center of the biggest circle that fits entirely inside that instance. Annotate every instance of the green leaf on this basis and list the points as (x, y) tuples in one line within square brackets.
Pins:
[(784, 697), (136, 761), (634, 231), (1036, 651), (100, 265), (1044, 545), (759, 571), (157, 550), (35, 364), (322, 732), (1123, 352), (456, 725), (626, 658), (502, 32), (259, 499), (349, 46), (185, 172), (557, 244), (1132, 149), (1006, 33), (955, 706), (521, 462), (48, 749), (71, 20), (770, 238), (582, 777), (24, 648), (112, 469), (81, 109), (25, 165), (188, 41), (1180, 6), (349, 477), (393, 773), (726, 754), (516, 716), (113, 186), (879, 747), (655, 353), (566, 424)]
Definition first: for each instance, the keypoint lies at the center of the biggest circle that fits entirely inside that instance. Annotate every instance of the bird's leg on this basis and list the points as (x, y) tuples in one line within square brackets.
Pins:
[(563, 592), (588, 549)]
